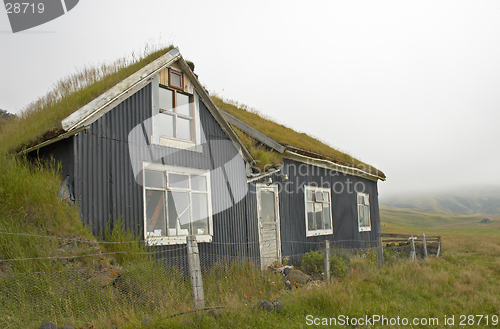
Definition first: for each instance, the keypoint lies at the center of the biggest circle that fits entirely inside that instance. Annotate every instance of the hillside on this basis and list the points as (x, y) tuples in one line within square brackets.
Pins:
[(470, 201)]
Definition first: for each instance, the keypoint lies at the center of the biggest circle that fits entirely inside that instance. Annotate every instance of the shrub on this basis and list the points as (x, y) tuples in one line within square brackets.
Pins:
[(313, 263)]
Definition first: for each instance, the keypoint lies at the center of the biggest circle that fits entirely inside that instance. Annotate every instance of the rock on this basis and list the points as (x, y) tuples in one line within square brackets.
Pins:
[(145, 321), (265, 305), (48, 325), (277, 305), (296, 278), (486, 220), (215, 313)]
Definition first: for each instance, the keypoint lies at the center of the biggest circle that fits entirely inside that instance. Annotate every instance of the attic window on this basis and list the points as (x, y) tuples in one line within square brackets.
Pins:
[(176, 117), (175, 79), (318, 211), (364, 222)]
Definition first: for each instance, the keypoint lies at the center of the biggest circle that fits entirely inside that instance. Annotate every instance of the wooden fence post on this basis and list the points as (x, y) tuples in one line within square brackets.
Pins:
[(413, 255), (439, 247), (380, 252), (425, 245), (327, 261), (195, 272)]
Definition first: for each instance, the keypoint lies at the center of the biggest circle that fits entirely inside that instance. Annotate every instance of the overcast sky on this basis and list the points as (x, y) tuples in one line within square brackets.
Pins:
[(411, 87)]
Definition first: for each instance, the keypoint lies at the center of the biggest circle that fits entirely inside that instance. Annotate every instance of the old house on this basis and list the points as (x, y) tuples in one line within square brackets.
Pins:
[(157, 152)]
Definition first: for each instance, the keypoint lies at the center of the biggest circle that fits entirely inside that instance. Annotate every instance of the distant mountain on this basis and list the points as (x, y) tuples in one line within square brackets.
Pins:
[(466, 201)]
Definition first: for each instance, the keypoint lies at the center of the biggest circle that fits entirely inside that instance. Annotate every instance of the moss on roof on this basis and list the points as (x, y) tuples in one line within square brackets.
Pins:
[(285, 136), (41, 120)]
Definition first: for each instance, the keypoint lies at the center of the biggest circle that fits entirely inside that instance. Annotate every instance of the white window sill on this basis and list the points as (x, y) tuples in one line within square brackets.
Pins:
[(319, 232), (180, 144), (172, 240), (365, 229)]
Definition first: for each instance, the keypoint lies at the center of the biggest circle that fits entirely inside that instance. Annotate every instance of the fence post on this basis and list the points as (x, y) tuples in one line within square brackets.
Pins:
[(327, 261), (195, 272), (413, 255), (425, 245), (439, 247), (380, 252)]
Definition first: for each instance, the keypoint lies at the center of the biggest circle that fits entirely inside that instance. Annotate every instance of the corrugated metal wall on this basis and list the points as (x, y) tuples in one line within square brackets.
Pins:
[(344, 207), (106, 189)]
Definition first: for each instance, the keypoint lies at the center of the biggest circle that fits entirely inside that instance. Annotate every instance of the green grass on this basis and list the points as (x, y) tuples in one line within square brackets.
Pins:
[(42, 118), (285, 136)]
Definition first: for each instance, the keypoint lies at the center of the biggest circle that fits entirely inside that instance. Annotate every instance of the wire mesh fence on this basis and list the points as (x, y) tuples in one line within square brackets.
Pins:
[(106, 283)]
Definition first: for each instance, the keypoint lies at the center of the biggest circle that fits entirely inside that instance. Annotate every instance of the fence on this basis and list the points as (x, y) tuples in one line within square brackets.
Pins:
[(90, 283)]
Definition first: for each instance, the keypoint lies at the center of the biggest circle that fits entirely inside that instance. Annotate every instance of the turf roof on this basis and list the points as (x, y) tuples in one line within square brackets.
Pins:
[(41, 120), (286, 137)]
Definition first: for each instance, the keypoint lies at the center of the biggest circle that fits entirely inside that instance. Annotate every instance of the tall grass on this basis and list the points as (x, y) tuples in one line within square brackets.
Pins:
[(42, 118)]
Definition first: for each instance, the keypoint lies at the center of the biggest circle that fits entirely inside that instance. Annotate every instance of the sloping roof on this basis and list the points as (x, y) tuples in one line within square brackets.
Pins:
[(267, 137), (255, 137), (105, 102)]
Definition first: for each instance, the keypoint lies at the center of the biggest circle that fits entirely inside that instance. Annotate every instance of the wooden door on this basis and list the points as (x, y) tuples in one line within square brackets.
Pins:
[(269, 225)]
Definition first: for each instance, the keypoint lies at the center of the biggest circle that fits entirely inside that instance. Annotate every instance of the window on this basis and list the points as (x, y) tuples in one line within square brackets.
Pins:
[(364, 221), (177, 203), (318, 211), (176, 119), (175, 79)]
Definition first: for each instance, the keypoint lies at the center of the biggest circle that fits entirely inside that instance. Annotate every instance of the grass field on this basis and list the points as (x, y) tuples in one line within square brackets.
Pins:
[(462, 286)]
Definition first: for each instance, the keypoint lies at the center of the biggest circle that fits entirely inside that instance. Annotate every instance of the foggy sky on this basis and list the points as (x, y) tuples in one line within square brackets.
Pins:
[(412, 88)]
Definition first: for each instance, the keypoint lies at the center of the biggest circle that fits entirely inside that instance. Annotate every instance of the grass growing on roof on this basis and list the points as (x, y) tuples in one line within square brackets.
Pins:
[(288, 136), (42, 118)]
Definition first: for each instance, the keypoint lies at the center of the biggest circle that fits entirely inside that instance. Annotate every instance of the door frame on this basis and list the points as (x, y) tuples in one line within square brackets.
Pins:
[(274, 188)]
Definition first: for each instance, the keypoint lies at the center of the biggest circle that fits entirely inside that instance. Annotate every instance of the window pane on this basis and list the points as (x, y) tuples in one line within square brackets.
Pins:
[(178, 181), (199, 183), (200, 213), (361, 210), (155, 213), (267, 207), (166, 99), (360, 199), (326, 196), (319, 196), (184, 129), (182, 105), (318, 207), (175, 79), (178, 211), (311, 223), (327, 216), (165, 124), (309, 195), (155, 179)]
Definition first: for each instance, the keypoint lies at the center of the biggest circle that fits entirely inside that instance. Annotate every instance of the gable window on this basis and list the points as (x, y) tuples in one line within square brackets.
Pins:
[(176, 117), (175, 79), (177, 203), (318, 211), (364, 222)]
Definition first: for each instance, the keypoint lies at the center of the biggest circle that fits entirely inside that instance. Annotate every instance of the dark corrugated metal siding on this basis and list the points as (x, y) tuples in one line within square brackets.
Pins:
[(106, 189), (344, 207)]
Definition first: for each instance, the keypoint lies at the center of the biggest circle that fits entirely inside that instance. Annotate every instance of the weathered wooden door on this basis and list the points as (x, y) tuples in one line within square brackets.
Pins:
[(269, 224)]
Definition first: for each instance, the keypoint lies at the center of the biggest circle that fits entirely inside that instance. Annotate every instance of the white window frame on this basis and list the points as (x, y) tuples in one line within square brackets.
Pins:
[(329, 201), (159, 139), (364, 198), (168, 169)]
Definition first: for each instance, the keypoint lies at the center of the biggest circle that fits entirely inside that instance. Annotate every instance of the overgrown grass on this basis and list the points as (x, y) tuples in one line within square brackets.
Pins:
[(287, 136), (29, 205), (451, 286), (42, 118)]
